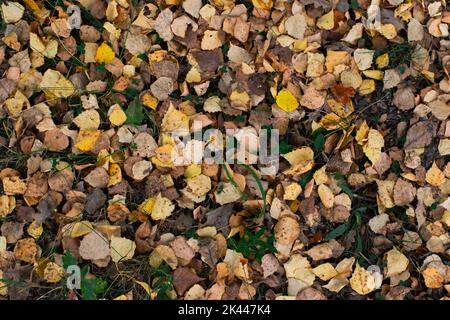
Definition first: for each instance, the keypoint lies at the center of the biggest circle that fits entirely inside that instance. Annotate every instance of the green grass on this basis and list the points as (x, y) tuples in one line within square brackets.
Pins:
[(162, 281), (253, 245)]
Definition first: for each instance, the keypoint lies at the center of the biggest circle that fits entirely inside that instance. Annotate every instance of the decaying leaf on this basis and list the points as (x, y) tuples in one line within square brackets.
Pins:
[(122, 249)]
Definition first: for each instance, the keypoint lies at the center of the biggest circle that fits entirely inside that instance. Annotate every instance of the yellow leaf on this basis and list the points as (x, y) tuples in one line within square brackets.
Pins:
[(444, 147), (174, 120), (122, 249), (35, 229), (147, 206), (157, 55), (124, 297), (115, 174), (286, 100), (12, 12), (144, 286), (336, 284), (38, 10), (325, 271), (7, 205), (397, 262), (372, 149), (88, 120), (53, 273), (428, 75), (163, 156), (292, 191), (207, 232), (332, 121), (14, 185), (193, 76), (388, 31), (301, 160), (433, 278), (86, 139), (263, 4), (342, 110), (192, 170), (382, 61), (49, 49), (3, 286), (149, 101), (326, 21), (81, 228), (320, 176), (239, 98), (361, 134), (385, 191), (199, 185), (116, 115), (335, 58), (162, 208), (435, 176), (104, 54), (298, 155), (326, 196), (300, 45), (374, 74), (362, 281), (367, 87), (55, 85), (363, 58)]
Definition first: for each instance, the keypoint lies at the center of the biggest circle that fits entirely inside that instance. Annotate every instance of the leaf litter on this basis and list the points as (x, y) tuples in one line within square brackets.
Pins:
[(358, 208)]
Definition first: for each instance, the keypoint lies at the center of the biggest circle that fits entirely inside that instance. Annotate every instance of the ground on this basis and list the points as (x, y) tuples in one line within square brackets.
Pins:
[(105, 105)]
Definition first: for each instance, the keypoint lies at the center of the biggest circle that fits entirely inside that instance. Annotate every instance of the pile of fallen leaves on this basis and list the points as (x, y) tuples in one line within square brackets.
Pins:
[(358, 209)]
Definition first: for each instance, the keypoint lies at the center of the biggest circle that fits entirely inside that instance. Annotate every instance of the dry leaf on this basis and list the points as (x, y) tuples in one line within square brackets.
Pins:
[(396, 263), (122, 249), (362, 281)]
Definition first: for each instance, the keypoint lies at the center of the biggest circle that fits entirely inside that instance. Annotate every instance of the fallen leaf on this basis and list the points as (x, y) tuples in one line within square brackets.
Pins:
[(94, 247), (162, 208), (397, 262), (286, 101), (326, 21), (362, 281), (122, 249), (104, 54)]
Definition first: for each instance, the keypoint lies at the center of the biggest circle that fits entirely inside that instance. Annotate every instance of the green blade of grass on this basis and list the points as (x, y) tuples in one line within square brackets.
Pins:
[(261, 189), (233, 182)]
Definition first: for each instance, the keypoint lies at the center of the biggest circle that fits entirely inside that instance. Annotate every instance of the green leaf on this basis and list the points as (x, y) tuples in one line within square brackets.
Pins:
[(135, 113), (354, 4), (91, 287), (337, 232), (260, 232), (69, 260), (319, 142), (358, 213), (225, 48), (284, 147), (130, 92), (395, 167), (101, 67), (142, 56), (306, 178), (240, 118), (343, 184)]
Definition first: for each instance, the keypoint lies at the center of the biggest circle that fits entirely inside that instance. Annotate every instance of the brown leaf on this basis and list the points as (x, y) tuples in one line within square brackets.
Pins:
[(419, 135), (27, 251), (404, 192), (56, 140), (183, 279)]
